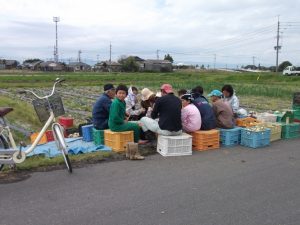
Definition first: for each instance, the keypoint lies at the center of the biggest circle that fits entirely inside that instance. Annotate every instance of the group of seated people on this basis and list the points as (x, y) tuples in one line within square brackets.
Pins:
[(121, 109)]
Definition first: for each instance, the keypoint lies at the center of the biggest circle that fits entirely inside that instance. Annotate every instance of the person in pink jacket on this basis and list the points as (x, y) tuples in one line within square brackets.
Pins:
[(190, 115)]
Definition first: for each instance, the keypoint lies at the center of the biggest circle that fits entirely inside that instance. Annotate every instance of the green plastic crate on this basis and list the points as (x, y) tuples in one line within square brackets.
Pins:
[(291, 130), (98, 136), (296, 109)]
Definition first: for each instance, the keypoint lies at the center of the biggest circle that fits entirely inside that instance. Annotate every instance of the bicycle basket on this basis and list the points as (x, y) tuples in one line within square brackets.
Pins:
[(42, 110)]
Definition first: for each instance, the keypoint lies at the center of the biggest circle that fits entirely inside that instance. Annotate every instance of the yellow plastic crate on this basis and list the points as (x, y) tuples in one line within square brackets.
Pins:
[(117, 140), (42, 141), (206, 140), (275, 130)]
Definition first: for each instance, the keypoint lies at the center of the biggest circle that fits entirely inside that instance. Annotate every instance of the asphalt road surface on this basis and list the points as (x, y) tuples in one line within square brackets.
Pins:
[(221, 187)]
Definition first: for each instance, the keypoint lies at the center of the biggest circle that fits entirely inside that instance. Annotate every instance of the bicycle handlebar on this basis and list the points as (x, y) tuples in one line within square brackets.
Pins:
[(57, 81)]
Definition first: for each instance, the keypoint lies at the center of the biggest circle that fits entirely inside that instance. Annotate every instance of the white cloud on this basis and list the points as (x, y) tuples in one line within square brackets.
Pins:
[(233, 30)]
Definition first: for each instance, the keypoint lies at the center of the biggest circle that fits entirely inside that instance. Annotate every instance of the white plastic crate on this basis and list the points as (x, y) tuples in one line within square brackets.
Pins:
[(174, 145), (266, 117)]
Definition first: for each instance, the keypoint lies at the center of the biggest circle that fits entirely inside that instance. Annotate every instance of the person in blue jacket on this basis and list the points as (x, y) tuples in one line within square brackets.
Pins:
[(205, 109), (101, 108)]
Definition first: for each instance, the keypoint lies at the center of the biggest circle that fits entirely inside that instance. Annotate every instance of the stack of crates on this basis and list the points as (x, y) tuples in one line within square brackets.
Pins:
[(230, 137), (290, 130), (246, 122), (174, 145), (87, 132), (117, 140), (255, 137), (275, 130), (98, 137), (206, 140)]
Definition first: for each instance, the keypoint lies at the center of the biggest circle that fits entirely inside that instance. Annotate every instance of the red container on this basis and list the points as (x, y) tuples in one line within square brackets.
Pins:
[(49, 135), (66, 122)]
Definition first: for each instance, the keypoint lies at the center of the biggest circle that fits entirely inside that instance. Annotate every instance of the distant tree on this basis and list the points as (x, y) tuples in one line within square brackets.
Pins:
[(202, 67), (31, 60), (283, 65), (129, 64), (169, 58)]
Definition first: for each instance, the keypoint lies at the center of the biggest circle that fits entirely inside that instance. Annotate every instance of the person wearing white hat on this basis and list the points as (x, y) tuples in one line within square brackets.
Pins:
[(148, 100)]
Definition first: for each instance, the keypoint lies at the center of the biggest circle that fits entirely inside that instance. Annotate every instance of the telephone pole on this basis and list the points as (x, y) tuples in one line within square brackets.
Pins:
[(277, 47), (56, 20), (110, 57), (157, 54), (79, 53), (215, 59), (253, 59)]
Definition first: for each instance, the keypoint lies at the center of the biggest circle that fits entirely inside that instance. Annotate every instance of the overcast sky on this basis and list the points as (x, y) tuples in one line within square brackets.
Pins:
[(232, 32)]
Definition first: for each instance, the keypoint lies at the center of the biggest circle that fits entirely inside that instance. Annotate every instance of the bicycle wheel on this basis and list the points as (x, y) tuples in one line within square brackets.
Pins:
[(61, 144), (3, 145)]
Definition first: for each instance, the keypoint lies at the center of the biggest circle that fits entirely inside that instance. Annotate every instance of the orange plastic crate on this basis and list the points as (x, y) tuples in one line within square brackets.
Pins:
[(117, 140), (206, 140), (42, 141), (247, 122)]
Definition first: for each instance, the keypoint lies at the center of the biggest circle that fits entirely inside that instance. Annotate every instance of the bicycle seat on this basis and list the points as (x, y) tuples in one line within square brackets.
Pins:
[(5, 110)]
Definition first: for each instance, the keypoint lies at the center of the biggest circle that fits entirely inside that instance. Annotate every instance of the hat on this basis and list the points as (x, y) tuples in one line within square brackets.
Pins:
[(167, 88), (146, 93), (215, 93), (108, 87), (188, 97)]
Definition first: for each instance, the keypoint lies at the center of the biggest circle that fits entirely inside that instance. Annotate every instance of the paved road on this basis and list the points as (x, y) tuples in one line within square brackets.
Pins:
[(222, 187)]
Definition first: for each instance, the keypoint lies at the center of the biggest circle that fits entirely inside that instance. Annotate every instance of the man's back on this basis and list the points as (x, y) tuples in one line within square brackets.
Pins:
[(207, 114), (224, 114), (168, 110), (101, 112)]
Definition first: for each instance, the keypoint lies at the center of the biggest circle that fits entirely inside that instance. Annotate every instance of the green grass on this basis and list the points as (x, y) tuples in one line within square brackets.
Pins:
[(255, 84)]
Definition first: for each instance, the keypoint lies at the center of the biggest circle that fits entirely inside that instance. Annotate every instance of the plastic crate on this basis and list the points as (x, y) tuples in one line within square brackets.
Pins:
[(87, 132), (230, 137), (66, 122), (98, 137), (117, 140), (266, 117), (275, 130), (246, 122), (49, 135), (42, 141), (296, 111), (291, 130), (206, 140), (174, 145), (255, 139)]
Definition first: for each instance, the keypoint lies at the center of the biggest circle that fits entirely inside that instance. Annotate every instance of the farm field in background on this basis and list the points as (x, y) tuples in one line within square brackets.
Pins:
[(257, 91)]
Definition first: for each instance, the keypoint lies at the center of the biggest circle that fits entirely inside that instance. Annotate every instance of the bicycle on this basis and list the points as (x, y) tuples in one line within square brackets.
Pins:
[(47, 108)]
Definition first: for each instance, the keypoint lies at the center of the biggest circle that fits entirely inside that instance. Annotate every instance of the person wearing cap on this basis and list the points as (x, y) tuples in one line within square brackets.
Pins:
[(168, 111), (207, 114), (100, 113), (222, 110), (148, 100), (190, 115), (133, 106)]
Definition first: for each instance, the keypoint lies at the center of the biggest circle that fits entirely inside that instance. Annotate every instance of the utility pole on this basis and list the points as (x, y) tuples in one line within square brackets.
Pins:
[(79, 58), (215, 59), (56, 20), (157, 54), (110, 57), (253, 59), (277, 47), (97, 58)]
